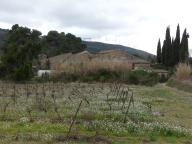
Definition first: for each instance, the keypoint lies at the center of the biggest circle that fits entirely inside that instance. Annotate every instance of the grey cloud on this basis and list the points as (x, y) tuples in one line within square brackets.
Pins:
[(88, 14), (134, 22), (98, 14), (16, 6)]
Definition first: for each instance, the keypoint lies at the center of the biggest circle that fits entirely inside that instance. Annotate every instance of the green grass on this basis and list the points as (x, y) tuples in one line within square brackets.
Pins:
[(41, 127)]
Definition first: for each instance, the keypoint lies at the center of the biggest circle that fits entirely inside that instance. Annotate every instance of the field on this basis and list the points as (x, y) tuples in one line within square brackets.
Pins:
[(94, 113)]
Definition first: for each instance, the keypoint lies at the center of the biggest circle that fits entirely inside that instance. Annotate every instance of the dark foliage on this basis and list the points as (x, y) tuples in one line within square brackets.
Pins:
[(159, 57), (21, 46), (142, 77), (58, 43), (173, 51), (184, 49), (137, 77), (3, 35)]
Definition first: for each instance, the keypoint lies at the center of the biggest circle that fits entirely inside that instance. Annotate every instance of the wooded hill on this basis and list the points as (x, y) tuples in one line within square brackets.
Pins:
[(94, 47), (54, 43)]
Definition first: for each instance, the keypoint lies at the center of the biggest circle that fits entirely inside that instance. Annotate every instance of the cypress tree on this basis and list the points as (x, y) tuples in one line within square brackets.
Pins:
[(184, 50), (163, 53), (176, 46), (168, 47), (174, 50), (172, 54), (159, 57)]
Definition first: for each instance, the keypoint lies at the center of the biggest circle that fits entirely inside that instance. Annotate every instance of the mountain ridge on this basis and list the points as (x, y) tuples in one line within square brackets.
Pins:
[(94, 47)]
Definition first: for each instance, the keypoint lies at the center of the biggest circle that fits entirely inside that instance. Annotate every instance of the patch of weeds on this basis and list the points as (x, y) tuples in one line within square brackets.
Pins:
[(137, 117), (57, 119), (89, 116), (83, 139), (153, 137), (14, 128), (180, 85), (7, 118), (169, 131), (158, 101)]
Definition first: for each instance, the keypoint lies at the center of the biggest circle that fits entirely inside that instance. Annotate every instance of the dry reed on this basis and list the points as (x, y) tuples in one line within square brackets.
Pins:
[(184, 72), (84, 67)]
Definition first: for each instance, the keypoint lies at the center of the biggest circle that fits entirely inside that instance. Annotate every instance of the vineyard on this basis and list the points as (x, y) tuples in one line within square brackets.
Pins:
[(93, 113)]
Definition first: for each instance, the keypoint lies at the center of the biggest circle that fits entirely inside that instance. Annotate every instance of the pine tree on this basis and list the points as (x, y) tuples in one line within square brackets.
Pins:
[(20, 49), (159, 57)]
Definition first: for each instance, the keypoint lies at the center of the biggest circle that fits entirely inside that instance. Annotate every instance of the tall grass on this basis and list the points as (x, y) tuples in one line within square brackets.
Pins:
[(85, 67), (183, 72)]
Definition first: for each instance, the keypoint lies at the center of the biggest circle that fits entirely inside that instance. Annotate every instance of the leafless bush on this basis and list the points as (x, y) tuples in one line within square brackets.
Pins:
[(124, 97), (5, 106), (77, 93), (131, 101), (56, 108), (27, 92), (40, 101), (29, 112)]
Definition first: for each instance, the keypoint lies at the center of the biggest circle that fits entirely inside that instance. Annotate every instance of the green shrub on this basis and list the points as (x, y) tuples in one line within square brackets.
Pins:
[(64, 77), (142, 77), (137, 77), (159, 66), (101, 75), (133, 78)]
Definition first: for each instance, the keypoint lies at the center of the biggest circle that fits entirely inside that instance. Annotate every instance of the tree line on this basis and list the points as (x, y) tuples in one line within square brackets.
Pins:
[(22, 46), (55, 43), (174, 50)]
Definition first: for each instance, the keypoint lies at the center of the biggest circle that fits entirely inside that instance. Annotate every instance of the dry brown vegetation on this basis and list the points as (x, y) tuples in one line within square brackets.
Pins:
[(184, 72), (82, 68), (83, 63)]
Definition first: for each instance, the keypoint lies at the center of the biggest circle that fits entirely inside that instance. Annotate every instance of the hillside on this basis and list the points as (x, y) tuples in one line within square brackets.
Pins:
[(95, 47)]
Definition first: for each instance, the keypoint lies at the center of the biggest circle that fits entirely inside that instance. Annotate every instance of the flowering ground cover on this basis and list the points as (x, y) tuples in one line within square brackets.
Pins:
[(94, 113)]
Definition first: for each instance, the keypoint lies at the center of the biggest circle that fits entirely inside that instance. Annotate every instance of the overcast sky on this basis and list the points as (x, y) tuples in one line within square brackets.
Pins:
[(134, 23)]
